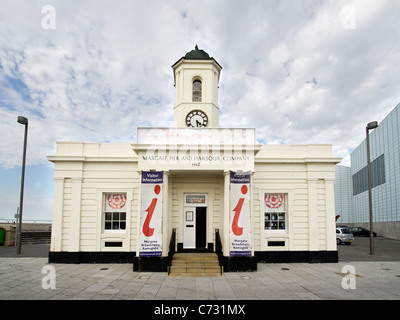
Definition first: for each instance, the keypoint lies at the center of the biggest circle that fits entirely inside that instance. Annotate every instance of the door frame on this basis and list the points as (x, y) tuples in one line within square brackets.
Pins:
[(191, 205)]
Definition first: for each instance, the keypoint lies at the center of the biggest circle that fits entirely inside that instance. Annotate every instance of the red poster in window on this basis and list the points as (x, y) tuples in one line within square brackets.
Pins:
[(274, 201), (116, 200)]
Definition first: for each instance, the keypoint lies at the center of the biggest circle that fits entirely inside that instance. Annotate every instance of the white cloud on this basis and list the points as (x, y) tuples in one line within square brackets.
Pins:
[(291, 69), (322, 82)]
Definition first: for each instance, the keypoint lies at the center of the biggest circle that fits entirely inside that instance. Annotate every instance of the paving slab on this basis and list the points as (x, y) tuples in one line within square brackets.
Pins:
[(27, 277), (21, 278)]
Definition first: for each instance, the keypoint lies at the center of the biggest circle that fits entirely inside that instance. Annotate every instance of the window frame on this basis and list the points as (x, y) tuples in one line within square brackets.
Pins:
[(112, 221), (276, 213), (199, 92)]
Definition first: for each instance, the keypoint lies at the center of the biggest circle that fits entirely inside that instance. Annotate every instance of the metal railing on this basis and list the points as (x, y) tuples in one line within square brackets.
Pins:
[(35, 237), (171, 251), (218, 248)]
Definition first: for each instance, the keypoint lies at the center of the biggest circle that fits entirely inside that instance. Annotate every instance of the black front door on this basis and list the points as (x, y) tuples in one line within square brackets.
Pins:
[(201, 227)]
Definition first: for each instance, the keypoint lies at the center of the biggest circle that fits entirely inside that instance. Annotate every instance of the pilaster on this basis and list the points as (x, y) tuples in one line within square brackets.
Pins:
[(56, 234), (226, 220), (166, 214), (313, 244), (76, 214)]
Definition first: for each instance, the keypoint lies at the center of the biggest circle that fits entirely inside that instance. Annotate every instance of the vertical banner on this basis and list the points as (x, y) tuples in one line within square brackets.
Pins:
[(151, 214), (240, 237)]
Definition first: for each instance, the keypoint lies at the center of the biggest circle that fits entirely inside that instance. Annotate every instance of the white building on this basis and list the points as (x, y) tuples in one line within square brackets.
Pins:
[(124, 202)]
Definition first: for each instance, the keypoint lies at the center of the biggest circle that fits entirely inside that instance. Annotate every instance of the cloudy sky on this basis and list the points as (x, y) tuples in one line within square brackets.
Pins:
[(299, 71)]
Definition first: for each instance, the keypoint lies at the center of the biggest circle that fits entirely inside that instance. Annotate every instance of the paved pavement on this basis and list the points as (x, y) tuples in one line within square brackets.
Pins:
[(384, 250), (27, 251), (32, 278)]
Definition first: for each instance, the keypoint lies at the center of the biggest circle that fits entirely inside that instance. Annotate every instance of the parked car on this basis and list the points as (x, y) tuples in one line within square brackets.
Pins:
[(344, 235), (358, 231)]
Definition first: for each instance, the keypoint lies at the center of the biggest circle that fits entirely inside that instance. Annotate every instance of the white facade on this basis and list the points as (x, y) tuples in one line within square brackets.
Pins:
[(196, 166)]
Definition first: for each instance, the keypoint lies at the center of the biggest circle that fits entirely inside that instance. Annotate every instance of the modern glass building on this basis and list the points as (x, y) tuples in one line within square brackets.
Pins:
[(343, 194), (385, 174)]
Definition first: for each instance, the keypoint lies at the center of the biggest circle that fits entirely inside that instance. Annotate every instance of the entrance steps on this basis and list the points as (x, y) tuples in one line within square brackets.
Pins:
[(195, 265)]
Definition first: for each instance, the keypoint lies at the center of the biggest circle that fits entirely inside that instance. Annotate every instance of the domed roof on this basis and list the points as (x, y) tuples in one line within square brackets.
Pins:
[(197, 54)]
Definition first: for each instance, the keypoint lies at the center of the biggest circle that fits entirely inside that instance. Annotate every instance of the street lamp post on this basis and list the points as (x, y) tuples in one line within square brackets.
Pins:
[(370, 126), (24, 121)]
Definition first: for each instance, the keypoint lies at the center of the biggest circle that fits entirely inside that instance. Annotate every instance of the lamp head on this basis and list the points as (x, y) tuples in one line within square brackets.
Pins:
[(372, 125), (22, 120)]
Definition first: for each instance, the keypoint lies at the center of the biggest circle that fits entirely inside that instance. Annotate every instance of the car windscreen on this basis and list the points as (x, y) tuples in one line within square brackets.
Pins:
[(346, 231)]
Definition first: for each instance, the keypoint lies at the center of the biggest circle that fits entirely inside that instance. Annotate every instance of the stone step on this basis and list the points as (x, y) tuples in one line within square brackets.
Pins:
[(195, 256), (195, 264)]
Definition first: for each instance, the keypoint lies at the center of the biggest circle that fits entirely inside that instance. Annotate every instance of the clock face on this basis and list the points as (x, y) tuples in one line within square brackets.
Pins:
[(196, 119)]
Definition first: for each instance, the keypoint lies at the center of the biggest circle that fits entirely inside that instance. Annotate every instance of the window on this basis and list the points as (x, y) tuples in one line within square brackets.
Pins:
[(360, 178), (115, 211), (275, 211), (346, 231), (195, 199), (196, 97)]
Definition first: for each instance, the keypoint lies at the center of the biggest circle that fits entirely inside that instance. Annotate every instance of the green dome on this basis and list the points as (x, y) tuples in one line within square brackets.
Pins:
[(197, 54)]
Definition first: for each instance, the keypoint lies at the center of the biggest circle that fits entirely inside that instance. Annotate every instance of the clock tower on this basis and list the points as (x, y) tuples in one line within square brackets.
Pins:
[(196, 77)]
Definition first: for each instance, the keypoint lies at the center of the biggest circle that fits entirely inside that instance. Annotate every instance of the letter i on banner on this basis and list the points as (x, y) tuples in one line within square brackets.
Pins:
[(240, 237), (151, 214)]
